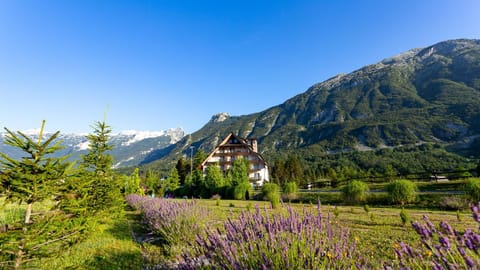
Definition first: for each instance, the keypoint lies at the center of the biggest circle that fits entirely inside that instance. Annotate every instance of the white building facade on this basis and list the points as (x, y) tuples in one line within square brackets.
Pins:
[(234, 147)]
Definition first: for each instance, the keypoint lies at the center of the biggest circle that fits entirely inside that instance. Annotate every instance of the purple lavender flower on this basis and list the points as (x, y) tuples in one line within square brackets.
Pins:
[(445, 242), (469, 262), (278, 241), (446, 228), (476, 212), (439, 243)]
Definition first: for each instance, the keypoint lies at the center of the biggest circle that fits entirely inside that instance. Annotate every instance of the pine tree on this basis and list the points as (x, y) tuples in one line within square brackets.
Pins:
[(97, 163), (182, 170), (199, 157), (294, 170), (278, 172), (37, 177)]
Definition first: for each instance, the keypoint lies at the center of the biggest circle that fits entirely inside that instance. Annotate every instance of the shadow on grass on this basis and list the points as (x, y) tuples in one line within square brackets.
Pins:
[(377, 223), (123, 226), (115, 260)]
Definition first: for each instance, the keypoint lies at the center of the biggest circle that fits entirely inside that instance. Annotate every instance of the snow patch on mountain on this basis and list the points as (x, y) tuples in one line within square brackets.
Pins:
[(136, 136), (82, 146), (130, 147), (116, 165)]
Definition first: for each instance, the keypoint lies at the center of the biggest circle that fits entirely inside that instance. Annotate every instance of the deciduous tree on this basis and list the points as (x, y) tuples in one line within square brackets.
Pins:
[(173, 181), (239, 171), (214, 178)]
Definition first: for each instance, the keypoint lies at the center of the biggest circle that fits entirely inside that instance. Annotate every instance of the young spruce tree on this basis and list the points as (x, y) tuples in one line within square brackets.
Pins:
[(97, 163), (35, 178)]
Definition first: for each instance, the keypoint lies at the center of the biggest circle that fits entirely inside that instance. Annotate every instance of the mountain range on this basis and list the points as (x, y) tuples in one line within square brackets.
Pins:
[(130, 147), (423, 96)]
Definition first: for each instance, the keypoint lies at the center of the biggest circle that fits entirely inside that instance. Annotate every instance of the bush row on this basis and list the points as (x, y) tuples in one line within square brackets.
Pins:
[(398, 192)]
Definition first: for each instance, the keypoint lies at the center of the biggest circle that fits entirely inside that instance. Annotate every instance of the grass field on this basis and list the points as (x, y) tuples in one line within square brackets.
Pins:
[(111, 244), (376, 236)]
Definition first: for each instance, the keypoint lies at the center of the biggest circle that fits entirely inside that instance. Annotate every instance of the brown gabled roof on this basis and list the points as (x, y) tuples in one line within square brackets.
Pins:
[(224, 141)]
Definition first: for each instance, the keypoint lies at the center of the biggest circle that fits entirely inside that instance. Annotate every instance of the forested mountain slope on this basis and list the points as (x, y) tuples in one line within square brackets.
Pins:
[(423, 96)]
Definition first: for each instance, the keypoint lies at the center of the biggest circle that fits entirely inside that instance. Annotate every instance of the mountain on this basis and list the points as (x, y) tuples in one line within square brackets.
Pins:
[(428, 96), (130, 147)]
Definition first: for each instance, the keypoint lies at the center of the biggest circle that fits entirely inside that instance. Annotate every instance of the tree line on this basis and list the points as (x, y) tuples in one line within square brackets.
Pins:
[(188, 179)]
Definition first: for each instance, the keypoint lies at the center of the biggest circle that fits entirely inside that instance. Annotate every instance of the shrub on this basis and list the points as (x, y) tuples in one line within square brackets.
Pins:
[(453, 203), (270, 192), (268, 189), (242, 191), (216, 197), (402, 192), (174, 222), (336, 212), (275, 200), (272, 240), (290, 190), (472, 189), (404, 217), (373, 218), (355, 192)]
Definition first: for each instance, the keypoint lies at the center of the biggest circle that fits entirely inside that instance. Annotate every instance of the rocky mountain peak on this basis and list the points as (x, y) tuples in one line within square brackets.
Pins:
[(219, 117)]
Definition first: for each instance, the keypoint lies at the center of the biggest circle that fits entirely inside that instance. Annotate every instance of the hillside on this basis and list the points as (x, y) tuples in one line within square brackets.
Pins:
[(428, 96)]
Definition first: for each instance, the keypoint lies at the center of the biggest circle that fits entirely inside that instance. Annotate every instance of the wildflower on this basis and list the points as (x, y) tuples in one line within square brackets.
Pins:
[(329, 255), (428, 253)]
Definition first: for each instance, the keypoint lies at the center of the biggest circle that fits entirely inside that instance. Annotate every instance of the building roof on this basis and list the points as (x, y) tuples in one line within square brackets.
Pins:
[(241, 141)]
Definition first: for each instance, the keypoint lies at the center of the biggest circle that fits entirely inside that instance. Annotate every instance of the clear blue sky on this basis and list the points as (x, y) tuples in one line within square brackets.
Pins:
[(164, 64)]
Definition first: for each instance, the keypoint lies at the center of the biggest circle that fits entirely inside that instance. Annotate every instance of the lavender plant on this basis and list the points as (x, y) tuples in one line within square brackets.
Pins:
[(443, 247), (272, 240), (176, 223)]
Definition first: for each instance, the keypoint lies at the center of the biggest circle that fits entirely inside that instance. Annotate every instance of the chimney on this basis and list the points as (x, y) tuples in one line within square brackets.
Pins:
[(253, 144)]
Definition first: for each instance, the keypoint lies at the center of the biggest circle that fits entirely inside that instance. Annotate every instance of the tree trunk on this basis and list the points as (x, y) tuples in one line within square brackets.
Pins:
[(28, 213), (19, 255)]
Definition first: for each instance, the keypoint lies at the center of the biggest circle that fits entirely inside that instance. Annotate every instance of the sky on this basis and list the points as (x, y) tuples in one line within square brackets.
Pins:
[(153, 65)]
